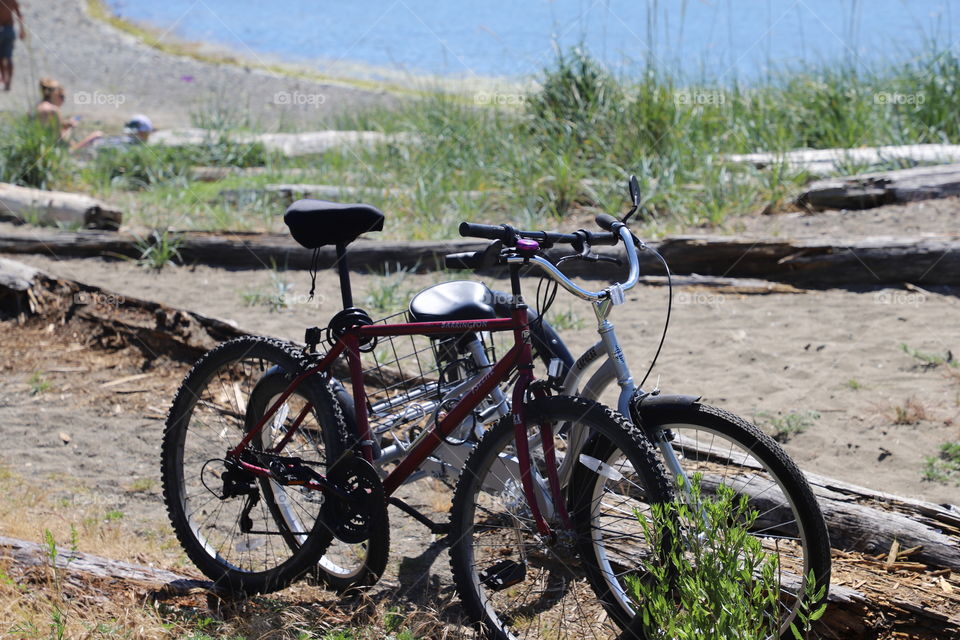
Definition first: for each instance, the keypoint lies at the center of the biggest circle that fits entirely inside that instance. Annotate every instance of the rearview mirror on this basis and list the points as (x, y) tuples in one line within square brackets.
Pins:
[(635, 191)]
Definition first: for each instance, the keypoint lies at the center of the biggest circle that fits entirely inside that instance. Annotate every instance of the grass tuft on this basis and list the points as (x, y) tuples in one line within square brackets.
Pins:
[(944, 467), (783, 428)]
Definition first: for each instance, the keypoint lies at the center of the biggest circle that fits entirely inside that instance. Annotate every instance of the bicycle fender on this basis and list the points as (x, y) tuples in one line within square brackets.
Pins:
[(649, 405)]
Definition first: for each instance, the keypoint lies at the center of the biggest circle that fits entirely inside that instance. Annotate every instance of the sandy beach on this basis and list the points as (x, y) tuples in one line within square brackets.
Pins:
[(836, 354), (110, 75)]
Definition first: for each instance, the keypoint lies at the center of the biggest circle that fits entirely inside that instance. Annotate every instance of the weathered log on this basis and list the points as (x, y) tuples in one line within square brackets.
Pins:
[(162, 583), (818, 263), (869, 190), (822, 162), (216, 174), (865, 521), (859, 519), (289, 144), (926, 260), (284, 194), (152, 327), (51, 207)]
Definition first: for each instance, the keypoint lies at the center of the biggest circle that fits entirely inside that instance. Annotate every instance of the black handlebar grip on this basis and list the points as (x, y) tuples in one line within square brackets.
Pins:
[(485, 231), (607, 222), (600, 239), (465, 260)]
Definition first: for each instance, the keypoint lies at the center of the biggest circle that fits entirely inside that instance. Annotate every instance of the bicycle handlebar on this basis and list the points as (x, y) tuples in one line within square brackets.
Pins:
[(616, 231), (568, 284), (509, 235)]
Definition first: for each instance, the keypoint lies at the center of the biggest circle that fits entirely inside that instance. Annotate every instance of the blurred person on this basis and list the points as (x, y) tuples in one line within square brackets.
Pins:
[(136, 131), (8, 9), (53, 96)]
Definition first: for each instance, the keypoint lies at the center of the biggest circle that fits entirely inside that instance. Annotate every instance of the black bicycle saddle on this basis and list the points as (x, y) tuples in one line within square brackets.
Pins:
[(458, 300), (317, 223)]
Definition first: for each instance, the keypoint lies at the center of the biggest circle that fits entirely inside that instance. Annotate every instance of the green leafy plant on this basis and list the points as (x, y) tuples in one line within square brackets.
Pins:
[(944, 467), (714, 581), (58, 624)]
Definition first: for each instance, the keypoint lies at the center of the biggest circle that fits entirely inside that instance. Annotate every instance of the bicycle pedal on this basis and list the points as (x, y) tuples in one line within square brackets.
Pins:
[(505, 573)]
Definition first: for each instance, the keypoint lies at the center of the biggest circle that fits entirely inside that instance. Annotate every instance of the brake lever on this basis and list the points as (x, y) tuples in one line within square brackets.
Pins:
[(590, 257)]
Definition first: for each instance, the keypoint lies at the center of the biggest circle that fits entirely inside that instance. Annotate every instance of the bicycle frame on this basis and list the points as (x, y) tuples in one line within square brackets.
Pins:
[(615, 369), (518, 357)]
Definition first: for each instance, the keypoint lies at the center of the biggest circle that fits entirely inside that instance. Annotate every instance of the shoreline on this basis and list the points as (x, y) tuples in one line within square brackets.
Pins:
[(110, 74), (418, 84)]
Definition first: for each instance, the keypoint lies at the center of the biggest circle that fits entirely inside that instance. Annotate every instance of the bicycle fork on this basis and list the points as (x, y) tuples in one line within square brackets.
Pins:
[(628, 390)]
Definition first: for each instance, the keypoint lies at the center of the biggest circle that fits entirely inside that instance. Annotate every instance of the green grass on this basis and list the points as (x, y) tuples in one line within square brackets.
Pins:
[(158, 249), (945, 467), (931, 360), (566, 320), (31, 154), (276, 298), (389, 292), (784, 427), (38, 383), (566, 148)]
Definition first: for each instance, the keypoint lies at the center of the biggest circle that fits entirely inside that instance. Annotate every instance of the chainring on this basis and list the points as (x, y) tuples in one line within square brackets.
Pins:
[(365, 513)]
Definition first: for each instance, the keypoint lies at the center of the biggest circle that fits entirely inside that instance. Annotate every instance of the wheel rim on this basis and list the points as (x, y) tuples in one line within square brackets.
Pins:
[(217, 421)]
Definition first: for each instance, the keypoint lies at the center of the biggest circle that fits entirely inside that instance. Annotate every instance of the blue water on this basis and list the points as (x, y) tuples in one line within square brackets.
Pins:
[(716, 39)]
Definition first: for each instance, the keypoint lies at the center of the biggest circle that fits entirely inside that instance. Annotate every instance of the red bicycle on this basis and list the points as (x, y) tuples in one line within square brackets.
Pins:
[(262, 467)]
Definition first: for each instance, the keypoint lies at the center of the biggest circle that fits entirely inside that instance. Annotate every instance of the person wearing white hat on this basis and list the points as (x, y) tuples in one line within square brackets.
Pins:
[(136, 131), (139, 126)]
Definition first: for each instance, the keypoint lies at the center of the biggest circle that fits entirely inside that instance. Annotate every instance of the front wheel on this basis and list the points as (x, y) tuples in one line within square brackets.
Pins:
[(512, 581)]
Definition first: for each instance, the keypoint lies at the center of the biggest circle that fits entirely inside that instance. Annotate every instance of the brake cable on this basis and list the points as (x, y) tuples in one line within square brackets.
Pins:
[(666, 323)]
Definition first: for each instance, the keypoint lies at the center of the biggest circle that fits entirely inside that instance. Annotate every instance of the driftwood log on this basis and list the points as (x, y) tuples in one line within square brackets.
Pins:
[(822, 162), (289, 144), (51, 207), (875, 189), (160, 582), (152, 327), (216, 174), (284, 194), (925, 260)]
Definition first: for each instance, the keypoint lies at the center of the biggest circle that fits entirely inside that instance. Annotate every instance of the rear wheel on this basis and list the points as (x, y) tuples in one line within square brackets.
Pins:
[(247, 533), (512, 581)]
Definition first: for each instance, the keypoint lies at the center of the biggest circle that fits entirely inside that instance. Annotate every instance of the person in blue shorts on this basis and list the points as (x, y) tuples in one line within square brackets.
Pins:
[(8, 9)]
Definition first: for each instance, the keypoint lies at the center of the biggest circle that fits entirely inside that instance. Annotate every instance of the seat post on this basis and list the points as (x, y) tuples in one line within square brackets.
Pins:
[(344, 271)]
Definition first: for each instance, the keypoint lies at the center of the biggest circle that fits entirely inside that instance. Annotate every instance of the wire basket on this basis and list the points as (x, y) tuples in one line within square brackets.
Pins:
[(407, 378)]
